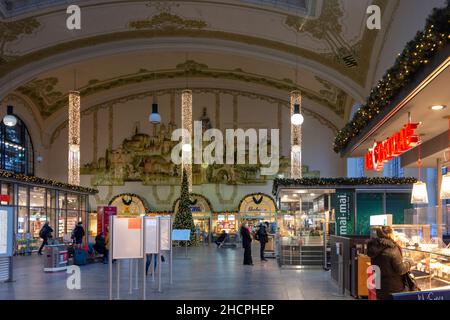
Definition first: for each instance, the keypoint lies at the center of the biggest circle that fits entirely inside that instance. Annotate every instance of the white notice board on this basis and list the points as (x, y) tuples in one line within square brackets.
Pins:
[(127, 238), (166, 230), (6, 232), (151, 235)]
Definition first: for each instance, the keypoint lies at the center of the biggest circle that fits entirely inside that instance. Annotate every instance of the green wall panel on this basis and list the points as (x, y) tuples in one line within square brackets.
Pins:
[(367, 204)]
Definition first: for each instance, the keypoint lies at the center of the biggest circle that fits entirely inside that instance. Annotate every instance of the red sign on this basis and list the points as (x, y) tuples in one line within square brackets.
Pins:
[(5, 199), (382, 152), (103, 214)]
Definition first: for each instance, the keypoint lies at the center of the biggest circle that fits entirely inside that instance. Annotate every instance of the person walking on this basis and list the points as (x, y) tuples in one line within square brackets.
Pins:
[(155, 261), (78, 233), (263, 238), (45, 233), (246, 244), (387, 255)]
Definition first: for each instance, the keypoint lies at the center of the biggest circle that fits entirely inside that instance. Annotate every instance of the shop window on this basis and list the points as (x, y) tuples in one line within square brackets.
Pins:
[(38, 215), (72, 219), (73, 202), (16, 148)]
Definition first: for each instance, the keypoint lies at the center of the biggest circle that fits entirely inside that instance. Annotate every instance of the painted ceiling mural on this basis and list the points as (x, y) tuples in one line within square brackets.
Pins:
[(48, 99), (147, 159), (322, 39)]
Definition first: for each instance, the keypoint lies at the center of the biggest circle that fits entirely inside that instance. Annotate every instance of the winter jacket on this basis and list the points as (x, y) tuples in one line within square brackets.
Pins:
[(246, 237), (45, 231), (262, 234), (387, 255), (78, 232)]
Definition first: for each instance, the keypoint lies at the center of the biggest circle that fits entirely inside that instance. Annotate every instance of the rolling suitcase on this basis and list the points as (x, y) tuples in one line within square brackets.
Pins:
[(79, 257)]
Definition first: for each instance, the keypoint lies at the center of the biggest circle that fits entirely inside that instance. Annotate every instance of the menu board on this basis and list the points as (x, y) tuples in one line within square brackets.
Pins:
[(127, 238), (165, 239), (6, 231), (151, 235)]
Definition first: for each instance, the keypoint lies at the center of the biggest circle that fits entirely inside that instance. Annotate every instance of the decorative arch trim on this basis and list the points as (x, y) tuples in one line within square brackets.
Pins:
[(190, 196), (143, 200), (257, 200)]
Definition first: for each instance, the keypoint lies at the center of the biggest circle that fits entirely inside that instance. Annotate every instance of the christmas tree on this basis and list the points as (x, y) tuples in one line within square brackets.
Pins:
[(183, 217)]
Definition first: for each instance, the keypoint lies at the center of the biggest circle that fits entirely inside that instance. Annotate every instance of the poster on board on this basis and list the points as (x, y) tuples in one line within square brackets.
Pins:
[(127, 238), (151, 235), (166, 230), (6, 232)]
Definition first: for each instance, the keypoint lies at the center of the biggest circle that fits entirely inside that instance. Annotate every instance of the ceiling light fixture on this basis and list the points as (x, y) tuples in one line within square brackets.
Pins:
[(155, 117), (10, 119), (438, 107)]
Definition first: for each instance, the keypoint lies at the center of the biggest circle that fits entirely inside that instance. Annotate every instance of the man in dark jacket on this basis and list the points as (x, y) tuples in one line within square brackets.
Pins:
[(263, 238), (45, 234), (100, 246), (78, 233), (246, 244), (387, 255)]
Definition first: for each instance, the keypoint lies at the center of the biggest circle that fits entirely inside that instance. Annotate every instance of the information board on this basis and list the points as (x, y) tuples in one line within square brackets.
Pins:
[(181, 235), (6, 229), (165, 239), (127, 238), (151, 235)]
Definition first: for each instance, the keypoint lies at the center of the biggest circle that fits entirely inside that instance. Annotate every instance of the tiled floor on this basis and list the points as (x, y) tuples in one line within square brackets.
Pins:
[(209, 273)]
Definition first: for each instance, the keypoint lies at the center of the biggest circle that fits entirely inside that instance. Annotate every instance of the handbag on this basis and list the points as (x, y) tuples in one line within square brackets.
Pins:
[(410, 282)]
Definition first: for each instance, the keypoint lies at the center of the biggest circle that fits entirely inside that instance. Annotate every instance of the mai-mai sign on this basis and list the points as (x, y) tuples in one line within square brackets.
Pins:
[(394, 146)]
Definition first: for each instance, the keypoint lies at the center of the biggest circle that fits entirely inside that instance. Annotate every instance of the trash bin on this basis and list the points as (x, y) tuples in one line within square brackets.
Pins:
[(55, 258)]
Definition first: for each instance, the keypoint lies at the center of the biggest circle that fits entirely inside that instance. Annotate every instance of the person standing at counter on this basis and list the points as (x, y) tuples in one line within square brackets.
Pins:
[(246, 244), (387, 255)]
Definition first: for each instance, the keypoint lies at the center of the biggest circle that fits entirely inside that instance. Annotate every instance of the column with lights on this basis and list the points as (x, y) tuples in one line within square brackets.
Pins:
[(296, 134), (186, 122), (74, 138)]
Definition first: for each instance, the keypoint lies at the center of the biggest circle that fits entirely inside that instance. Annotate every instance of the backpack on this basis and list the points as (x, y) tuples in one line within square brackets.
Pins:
[(43, 232)]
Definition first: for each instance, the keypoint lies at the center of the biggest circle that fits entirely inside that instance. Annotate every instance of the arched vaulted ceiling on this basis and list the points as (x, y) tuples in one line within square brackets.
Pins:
[(320, 47)]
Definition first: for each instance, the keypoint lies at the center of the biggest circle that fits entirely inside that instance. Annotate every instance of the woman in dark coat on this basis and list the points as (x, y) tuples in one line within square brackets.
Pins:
[(387, 255), (246, 244)]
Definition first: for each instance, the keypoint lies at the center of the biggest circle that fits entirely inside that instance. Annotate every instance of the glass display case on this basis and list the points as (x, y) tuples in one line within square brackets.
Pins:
[(431, 256), (432, 269)]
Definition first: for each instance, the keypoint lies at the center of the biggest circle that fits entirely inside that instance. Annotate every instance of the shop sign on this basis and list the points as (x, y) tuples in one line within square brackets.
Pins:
[(5, 200), (344, 211), (383, 151), (436, 295)]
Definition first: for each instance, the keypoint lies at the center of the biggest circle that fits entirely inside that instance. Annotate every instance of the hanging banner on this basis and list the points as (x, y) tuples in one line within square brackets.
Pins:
[(343, 203), (103, 214)]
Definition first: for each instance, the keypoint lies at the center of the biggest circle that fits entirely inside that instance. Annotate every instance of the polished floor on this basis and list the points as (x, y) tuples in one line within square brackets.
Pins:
[(208, 273)]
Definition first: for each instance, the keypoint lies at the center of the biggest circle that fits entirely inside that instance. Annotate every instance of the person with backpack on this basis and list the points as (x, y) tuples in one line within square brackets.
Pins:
[(262, 236), (78, 233), (45, 233)]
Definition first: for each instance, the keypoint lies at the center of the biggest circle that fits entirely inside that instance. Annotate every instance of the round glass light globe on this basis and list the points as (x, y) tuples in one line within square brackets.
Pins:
[(297, 119)]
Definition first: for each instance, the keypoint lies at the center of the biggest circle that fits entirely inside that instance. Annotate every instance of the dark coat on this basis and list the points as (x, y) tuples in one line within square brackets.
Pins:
[(387, 255), (262, 235), (45, 232), (100, 244), (246, 237), (78, 232)]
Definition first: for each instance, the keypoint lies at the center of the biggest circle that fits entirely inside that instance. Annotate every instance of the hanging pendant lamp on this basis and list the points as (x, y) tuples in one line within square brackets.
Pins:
[(419, 192)]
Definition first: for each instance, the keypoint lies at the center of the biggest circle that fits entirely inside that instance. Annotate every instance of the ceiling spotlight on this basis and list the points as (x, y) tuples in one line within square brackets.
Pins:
[(297, 118), (10, 119), (155, 117), (438, 107)]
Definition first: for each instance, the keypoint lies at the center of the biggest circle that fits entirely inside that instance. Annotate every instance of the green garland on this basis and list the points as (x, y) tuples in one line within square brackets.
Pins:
[(256, 194), (414, 57), (45, 182), (323, 182), (133, 195), (191, 195)]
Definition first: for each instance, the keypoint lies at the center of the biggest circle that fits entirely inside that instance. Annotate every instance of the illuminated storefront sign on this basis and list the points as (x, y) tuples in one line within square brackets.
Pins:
[(382, 152)]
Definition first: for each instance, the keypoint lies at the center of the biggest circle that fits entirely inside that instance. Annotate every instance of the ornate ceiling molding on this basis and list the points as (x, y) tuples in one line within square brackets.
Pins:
[(43, 93), (143, 95)]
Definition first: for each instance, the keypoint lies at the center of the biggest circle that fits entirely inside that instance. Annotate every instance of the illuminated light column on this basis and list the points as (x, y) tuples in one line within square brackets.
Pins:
[(296, 135), (186, 122), (74, 138)]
